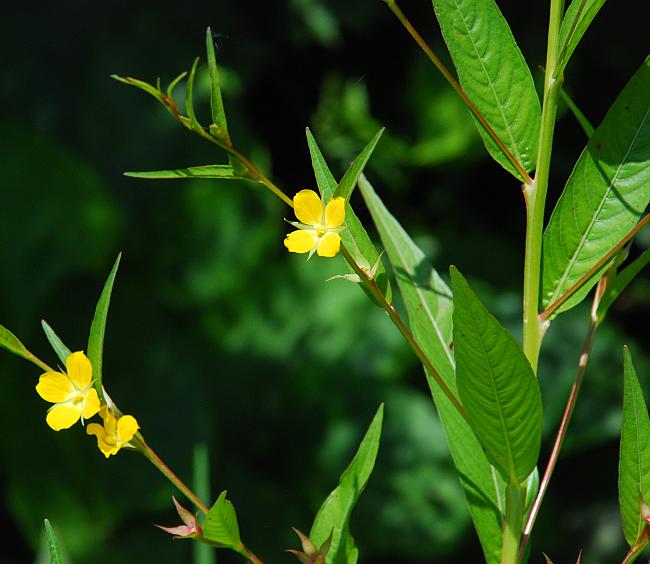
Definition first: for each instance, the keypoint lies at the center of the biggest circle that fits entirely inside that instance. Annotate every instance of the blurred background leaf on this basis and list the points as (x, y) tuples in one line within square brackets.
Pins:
[(215, 332)]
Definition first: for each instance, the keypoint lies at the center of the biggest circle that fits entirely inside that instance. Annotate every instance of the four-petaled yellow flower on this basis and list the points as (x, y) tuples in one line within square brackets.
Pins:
[(72, 394), (319, 226), (115, 433)]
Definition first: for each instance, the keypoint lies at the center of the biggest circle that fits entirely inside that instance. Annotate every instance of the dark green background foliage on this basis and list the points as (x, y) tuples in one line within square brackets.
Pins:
[(216, 334)]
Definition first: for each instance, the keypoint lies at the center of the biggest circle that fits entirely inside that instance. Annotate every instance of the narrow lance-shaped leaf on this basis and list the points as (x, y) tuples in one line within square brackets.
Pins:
[(576, 21), (223, 172), (98, 329), (349, 181), (189, 97), (429, 306), (494, 75), (497, 386), (221, 525), (53, 545), (605, 196), (334, 515), (12, 343), (634, 458), (355, 238), (60, 349), (216, 102)]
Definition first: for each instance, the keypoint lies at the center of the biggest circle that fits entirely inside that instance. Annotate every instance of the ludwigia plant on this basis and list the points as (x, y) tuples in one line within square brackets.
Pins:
[(484, 383)]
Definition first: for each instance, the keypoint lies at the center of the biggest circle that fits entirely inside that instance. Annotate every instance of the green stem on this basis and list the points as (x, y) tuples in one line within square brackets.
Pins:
[(512, 525), (151, 455), (535, 193), (376, 292)]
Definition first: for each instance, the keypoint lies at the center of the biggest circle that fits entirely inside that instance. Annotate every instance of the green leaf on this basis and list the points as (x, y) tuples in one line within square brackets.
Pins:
[(576, 21), (216, 102), (349, 180), (53, 545), (621, 281), (497, 386), (174, 83), (355, 238), (634, 458), (334, 514), (428, 303), (224, 172), (221, 526), (60, 349), (577, 113), (494, 75), (98, 329), (189, 97), (142, 85), (10, 342), (605, 196)]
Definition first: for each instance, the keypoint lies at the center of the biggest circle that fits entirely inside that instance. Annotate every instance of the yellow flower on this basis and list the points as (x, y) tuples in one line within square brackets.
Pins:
[(319, 226), (115, 433), (72, 394)]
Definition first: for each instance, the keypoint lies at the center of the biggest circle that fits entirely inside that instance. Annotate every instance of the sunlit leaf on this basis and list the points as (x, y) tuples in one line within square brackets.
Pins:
[(349, 181), (221, 525), (497, 386), (334, 515), (494, 75), (604, 198)]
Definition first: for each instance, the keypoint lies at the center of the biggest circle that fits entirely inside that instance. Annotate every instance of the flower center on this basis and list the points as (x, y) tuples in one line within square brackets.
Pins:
[(320, 230), (76, 397)]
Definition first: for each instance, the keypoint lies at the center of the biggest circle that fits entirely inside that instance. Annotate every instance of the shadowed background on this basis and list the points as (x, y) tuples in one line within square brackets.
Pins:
[(216, 335)]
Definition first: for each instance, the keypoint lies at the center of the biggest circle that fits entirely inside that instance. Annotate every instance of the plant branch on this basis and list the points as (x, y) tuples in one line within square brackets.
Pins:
[(566, 416), (392, 4), (515, 500), (406, 333), (594, 269), (151, 455), (535, 193)]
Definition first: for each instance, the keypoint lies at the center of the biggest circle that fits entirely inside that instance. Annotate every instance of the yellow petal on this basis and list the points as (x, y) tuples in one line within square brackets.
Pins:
[(80, 371), (91, 404), (335, 212), (62, 416), (301, 241), (126, 428), (54, 387), (99, 431), (329, 245), (308, 207)]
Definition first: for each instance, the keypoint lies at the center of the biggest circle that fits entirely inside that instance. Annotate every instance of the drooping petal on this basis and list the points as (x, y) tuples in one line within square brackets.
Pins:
[(62, 416), (91, 404), (54, 387), (301, 241), (308, 207), (126, 428), (329, 245), (99, 431), (335, 212), (80, 371)]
